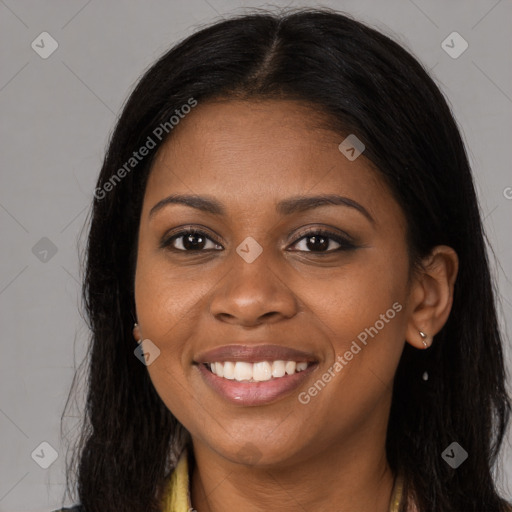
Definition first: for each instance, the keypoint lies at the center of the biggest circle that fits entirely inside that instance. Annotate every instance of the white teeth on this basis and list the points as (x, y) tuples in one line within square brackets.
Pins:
[(243, 371), (228, 370), (256, 372), (261, 371), (219, 369), (278, 369), (301, 366), (290, 367)]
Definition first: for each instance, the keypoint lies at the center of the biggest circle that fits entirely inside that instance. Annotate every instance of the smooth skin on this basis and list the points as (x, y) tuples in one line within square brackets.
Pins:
[(328, 454)]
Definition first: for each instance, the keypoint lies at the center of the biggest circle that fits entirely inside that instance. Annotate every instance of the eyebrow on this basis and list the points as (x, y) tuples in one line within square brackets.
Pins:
[(284, 207)]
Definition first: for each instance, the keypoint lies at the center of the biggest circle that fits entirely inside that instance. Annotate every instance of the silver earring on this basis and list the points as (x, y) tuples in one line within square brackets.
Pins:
[(425, 344), (135, 325)]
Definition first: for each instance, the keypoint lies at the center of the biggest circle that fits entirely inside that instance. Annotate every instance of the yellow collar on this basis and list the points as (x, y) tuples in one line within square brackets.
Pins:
[(177, 496)]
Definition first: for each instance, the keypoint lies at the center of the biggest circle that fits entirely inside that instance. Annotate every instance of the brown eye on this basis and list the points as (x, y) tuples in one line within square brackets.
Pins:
[(189, 241), (320, 241)]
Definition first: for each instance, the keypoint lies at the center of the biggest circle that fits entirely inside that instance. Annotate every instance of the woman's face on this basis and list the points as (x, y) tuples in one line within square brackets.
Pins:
[(259, 282)]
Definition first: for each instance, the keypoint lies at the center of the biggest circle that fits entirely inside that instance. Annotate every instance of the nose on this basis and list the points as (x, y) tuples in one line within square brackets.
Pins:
[(252, 294)]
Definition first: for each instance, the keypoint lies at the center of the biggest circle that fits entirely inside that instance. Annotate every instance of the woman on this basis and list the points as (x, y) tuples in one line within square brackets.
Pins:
[(287, 285)]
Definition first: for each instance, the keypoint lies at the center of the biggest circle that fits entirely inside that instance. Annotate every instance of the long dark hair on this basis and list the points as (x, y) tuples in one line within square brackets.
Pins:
[(367, 85)]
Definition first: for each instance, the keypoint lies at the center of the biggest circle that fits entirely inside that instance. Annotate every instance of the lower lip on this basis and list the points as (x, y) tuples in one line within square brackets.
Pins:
[(254, 393)]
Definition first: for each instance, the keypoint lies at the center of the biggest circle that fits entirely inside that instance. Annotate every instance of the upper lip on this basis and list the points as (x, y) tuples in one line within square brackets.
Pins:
[(254, 354)]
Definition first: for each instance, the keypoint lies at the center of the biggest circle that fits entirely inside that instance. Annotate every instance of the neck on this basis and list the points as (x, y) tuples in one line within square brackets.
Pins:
[(353, 476)]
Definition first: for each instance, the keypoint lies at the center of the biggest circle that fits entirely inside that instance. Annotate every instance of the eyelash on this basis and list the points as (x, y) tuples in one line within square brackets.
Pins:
[(345, 243)]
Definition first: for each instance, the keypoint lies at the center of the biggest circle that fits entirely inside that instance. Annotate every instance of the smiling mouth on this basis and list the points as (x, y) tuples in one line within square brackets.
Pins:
[(258, 383), (261, 371)]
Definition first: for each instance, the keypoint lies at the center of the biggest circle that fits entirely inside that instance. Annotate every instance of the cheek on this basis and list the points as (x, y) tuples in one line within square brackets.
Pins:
[(362, 313), (354, 298), (165, 309), (365, 324), (166, 297)]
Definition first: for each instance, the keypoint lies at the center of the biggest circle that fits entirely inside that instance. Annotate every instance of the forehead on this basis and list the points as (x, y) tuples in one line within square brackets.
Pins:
[(249, 153)]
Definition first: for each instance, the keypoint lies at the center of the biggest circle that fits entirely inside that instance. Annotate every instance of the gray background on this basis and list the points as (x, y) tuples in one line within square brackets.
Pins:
[(57, 114)]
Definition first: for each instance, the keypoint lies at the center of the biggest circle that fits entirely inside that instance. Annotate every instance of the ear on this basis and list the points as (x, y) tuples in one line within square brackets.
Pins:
[(431, 295), (136, 332)]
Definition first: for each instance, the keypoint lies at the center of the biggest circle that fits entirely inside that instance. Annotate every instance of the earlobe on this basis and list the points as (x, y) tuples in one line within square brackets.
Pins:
[(432, 296), (136, 332)]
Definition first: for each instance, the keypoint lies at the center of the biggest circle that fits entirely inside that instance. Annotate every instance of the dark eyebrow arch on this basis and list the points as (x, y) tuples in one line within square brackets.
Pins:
[(303, 203), (205, 204), (284, 207)]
